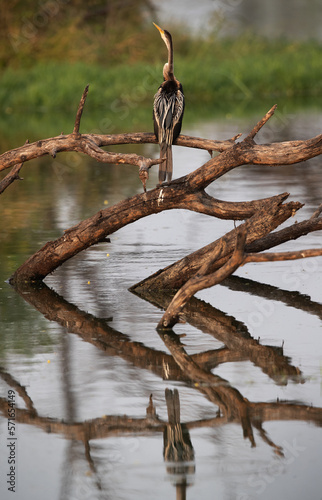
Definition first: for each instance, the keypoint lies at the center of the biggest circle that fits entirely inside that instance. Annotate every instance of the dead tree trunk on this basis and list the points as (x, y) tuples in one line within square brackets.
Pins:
[(206, 266)]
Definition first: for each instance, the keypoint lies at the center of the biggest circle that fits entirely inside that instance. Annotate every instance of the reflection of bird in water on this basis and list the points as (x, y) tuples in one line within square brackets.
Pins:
[(177, 445), (168, 110), (150, 411)]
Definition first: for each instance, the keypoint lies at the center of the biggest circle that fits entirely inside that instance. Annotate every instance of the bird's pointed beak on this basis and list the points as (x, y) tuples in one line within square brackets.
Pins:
[(160, 29)]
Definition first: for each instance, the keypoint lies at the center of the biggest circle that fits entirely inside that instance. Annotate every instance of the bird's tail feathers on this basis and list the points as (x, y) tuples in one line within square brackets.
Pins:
[(173, 406), (165, 168)]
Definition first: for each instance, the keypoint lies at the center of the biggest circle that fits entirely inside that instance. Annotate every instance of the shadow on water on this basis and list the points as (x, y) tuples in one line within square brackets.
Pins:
[(194, 371)]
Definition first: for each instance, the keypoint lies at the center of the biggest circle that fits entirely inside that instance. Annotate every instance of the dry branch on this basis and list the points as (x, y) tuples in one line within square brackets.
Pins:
[(261, 123), (185, 193), (65, 143), (234, 154), (90, 144), (80, 110), (11, 177), (204, 268), (269, 217), (203, 280), (282, 256)]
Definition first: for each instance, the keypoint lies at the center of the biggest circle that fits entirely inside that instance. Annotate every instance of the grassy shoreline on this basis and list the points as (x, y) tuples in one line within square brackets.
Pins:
[(235, 77), (210, 71)]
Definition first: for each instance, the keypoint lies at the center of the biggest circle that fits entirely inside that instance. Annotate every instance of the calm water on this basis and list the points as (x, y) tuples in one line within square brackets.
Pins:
[(294, 19), (82, 355)]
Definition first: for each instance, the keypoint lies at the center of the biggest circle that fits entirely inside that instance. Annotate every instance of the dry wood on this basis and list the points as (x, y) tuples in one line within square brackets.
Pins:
[(11, 177), (202, 279), (105, 222), (282, 256), (271, 215), (90, 144), (204, 268), (80, 110), (245, 152), (208, 265), (75, 142), (175, 275)]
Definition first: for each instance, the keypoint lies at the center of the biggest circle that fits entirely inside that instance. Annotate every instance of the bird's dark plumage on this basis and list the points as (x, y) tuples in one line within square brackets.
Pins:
[(168, 108)]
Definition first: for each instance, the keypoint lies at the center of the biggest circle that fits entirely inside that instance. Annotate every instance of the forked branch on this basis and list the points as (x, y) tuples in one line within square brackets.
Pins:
[(201, 280), (217, 259)]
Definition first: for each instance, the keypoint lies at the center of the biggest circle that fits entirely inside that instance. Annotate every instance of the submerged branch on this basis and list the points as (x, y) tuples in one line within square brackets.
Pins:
[(202, 280)]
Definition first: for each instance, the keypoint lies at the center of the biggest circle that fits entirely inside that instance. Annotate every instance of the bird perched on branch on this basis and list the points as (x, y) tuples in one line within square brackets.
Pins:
[(168, 108)]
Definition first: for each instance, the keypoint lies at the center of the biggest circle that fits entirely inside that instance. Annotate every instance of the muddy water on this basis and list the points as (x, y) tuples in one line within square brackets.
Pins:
[(81, 356)]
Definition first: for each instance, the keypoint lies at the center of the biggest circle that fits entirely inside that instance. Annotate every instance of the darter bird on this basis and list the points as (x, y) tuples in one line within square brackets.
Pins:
[(168, 108)]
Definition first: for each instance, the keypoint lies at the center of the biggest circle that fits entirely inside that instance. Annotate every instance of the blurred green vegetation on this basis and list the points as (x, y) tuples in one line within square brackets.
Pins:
[(49, 51), (73, 30), (237, 77)]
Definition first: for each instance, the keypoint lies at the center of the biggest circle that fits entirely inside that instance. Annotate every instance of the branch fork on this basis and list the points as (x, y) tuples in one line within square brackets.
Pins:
[(207, 266)]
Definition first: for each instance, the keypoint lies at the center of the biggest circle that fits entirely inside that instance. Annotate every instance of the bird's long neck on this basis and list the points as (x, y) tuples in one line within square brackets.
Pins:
[(168, 67)]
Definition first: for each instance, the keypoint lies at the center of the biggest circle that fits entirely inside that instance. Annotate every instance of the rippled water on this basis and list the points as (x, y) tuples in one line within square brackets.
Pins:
[(83, 356)]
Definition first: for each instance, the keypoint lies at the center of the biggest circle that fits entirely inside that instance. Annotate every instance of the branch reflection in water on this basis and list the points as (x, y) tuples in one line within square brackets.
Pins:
[(195, 371)]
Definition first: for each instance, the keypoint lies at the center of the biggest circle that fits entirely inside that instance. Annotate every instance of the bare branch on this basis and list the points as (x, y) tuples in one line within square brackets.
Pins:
[(317, 212), (202, 280), (202, 202), (233, 155), (11, 177), (186, 193), (80, 142), (149, 138), (263, 221), (261, 123), (286, 234), (80, 110), (281, 256)]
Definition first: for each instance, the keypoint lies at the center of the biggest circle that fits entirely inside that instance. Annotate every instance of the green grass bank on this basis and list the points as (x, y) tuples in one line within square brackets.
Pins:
[(219, 77)]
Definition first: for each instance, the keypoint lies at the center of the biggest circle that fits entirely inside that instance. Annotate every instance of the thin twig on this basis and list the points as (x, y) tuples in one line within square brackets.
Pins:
[(261, 123), (282, 256), (317, 213), (80, 111)]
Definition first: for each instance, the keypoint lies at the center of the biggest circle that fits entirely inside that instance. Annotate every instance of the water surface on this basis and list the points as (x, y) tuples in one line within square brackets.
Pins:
[(83, 356)]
